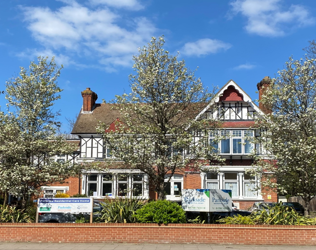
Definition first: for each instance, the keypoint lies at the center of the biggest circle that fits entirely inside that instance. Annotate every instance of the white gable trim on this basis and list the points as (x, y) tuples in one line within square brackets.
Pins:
[(220, 93)]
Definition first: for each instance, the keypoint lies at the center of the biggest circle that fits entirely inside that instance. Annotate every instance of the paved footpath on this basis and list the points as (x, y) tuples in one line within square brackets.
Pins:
[(129, 246)]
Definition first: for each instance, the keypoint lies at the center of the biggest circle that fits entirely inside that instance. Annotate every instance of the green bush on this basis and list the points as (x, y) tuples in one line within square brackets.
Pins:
[(161, 212), (79, 195), (13, 215), (82, 218), (237, 220), (120, 210), (276, 215)]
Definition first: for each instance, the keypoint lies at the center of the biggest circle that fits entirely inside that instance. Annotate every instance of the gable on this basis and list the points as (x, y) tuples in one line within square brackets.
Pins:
[(231, 103)]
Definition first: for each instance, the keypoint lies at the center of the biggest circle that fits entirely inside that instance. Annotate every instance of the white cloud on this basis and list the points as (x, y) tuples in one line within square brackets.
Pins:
[(128, 4), (270, 18), (204, 47), (245, 66), (60, 59), (78, 31)]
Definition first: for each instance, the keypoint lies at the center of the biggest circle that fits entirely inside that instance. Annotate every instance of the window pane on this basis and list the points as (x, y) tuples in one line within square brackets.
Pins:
[(233, 187), (61, 160), (249, 177), (214, 144), (230, 176), (225, 132), (225, 146), (108, 152), (92, 187), (92, 177), (107, 189), (248, 147), (212, 185), (167, 188), (107, 177), (211, 176), (122, 189), (177, 188), (250, 189), (137, 189), (137, 177), (249, 133), (237, 133), (177, 177), (122, 177), (237, 146)]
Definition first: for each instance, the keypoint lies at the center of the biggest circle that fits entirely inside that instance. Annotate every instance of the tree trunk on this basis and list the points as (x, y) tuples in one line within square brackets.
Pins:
[(5, 198), (161, 191), (306, 207)]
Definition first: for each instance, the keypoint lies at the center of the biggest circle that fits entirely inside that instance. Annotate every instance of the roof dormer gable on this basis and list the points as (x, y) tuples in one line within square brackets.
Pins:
[(230, 99)]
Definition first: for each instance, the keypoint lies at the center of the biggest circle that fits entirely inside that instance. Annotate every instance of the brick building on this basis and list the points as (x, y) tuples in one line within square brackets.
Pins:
[(231, 105)]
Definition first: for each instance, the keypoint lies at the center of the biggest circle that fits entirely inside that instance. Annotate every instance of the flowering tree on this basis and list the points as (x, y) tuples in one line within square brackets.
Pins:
[(157, 125), (27, 132), (289, 131)]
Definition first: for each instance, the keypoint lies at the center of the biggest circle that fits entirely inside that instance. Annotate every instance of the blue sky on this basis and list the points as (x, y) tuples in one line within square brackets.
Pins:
[(242, 40)]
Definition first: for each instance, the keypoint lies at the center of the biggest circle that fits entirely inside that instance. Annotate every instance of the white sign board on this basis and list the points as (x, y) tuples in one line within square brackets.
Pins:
[(65, 205), (206, 200)]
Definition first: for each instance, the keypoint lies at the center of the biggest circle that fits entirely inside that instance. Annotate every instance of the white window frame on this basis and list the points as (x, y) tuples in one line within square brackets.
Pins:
[(107, 182), (230, 135), (237, 181), (241, 182), (115, 184), (174, 179), (209, 180), (245, 188)]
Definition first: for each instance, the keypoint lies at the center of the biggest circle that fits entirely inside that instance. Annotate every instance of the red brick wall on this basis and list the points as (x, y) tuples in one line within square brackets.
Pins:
[(152, 233), (192, 181), (72, 183)]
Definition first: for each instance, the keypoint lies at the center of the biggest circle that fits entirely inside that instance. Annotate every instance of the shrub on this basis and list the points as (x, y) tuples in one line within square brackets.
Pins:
[(237, 220), (62, 195), (82, 218), (79, 195), (161, 212), (14, 215), (120, 210), (276, 215)]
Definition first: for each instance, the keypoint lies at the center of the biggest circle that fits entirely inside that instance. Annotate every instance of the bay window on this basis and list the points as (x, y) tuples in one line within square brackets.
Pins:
[(115, 184), (242, 185)]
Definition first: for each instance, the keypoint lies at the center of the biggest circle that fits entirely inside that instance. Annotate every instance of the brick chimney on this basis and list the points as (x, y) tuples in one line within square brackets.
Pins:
[(262, 87), (89, 98)]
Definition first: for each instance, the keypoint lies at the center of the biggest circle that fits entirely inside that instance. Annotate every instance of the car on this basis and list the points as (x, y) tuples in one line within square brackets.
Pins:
[(296, 206), (259, 206)]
